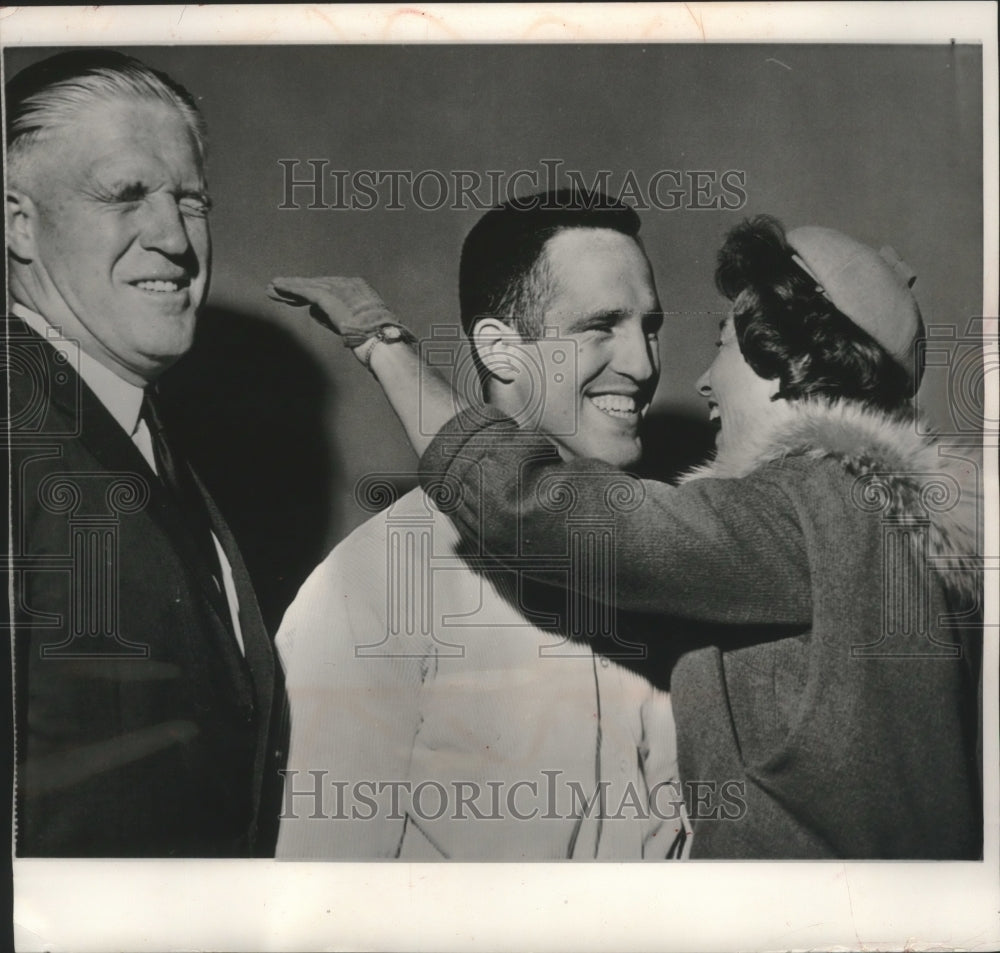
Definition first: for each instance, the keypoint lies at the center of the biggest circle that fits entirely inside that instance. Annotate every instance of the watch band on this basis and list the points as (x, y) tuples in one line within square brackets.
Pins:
[(386, 334)]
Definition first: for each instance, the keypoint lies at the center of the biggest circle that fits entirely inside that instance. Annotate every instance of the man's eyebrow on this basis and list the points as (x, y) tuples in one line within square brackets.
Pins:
[(585, 321), (201, 194), (115, 184)]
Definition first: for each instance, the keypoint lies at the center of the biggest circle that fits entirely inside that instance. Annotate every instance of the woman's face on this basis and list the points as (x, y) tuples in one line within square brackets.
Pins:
[(739, 401)]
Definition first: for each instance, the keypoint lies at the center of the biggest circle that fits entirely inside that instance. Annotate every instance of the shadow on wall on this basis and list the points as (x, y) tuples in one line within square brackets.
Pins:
[(247, 403), (673, 443)]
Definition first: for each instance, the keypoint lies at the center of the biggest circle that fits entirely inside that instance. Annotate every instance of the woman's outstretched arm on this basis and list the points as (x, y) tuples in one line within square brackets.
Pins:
[(729, 551), (351, 308)]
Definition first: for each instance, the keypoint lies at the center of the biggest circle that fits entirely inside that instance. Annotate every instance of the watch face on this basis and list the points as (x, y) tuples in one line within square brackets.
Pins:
[(390, 333)]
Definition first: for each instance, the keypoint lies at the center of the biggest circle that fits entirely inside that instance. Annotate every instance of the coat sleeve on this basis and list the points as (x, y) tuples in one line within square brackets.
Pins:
[(714, 550)]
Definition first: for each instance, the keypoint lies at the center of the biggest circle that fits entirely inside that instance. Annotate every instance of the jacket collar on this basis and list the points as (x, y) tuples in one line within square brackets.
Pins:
[(903, 471)]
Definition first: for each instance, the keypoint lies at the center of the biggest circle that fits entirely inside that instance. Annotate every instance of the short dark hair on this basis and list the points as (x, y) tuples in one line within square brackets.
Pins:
[(789, 331), (51, 92), (502, 273)]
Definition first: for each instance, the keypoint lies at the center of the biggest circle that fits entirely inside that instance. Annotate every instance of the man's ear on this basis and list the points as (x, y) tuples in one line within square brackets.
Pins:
[(21, 220), (493, 341)]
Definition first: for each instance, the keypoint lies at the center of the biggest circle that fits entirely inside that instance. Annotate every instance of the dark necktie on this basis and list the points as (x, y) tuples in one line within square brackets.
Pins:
[(177, 479)]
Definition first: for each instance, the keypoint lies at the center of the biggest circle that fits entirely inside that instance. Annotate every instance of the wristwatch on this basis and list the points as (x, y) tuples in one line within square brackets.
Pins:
[(387, 334)]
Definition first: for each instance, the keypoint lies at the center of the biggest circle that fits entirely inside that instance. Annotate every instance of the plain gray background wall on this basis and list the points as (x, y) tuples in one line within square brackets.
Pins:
[(882, 142)]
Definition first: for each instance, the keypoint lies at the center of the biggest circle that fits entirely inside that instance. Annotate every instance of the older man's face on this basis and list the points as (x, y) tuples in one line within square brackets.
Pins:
[(122, 241)]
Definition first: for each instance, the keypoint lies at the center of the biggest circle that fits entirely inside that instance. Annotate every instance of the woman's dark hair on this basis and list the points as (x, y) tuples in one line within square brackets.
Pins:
[(789, 331)]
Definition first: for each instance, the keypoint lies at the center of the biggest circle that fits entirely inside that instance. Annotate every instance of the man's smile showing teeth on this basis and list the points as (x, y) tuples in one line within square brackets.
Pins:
[(160, 285), (615, 405)]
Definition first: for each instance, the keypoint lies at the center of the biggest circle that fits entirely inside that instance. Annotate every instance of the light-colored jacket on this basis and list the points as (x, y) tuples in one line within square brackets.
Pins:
[(431, 720)]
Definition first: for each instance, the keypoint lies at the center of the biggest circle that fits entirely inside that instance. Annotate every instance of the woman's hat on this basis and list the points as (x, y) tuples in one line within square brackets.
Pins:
[(871, 288)]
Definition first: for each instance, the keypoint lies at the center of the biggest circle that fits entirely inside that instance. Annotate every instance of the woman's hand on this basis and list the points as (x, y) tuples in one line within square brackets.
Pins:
[(421, 398), (349, 307)]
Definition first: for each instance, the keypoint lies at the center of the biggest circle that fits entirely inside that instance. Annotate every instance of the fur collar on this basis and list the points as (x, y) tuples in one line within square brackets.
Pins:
[(902, 472)]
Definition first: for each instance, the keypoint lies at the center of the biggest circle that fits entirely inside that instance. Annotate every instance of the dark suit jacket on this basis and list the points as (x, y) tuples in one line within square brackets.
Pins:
[(141, 729)]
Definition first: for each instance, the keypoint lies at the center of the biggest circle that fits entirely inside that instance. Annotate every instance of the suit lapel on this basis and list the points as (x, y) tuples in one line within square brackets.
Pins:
[(115, 450), (273, 718), (256, 643)]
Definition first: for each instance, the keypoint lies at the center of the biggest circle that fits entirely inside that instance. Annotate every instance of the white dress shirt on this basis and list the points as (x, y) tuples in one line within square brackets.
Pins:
[(123, 400)]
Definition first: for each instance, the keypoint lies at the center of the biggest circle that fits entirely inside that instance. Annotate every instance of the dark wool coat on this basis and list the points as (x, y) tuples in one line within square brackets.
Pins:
[(823, 592)]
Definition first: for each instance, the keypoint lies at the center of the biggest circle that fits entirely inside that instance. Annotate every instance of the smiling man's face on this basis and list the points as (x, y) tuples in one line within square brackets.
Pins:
[(604, 301), (121, 243)]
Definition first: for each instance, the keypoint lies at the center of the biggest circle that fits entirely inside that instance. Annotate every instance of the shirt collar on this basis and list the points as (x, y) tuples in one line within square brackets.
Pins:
[(121, 398)]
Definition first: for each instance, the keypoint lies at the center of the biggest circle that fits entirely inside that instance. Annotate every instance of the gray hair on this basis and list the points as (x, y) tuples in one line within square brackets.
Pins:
[(52, 93)]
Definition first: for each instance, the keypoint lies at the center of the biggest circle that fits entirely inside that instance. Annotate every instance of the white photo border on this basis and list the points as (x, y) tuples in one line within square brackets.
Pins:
[(262, 905)]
